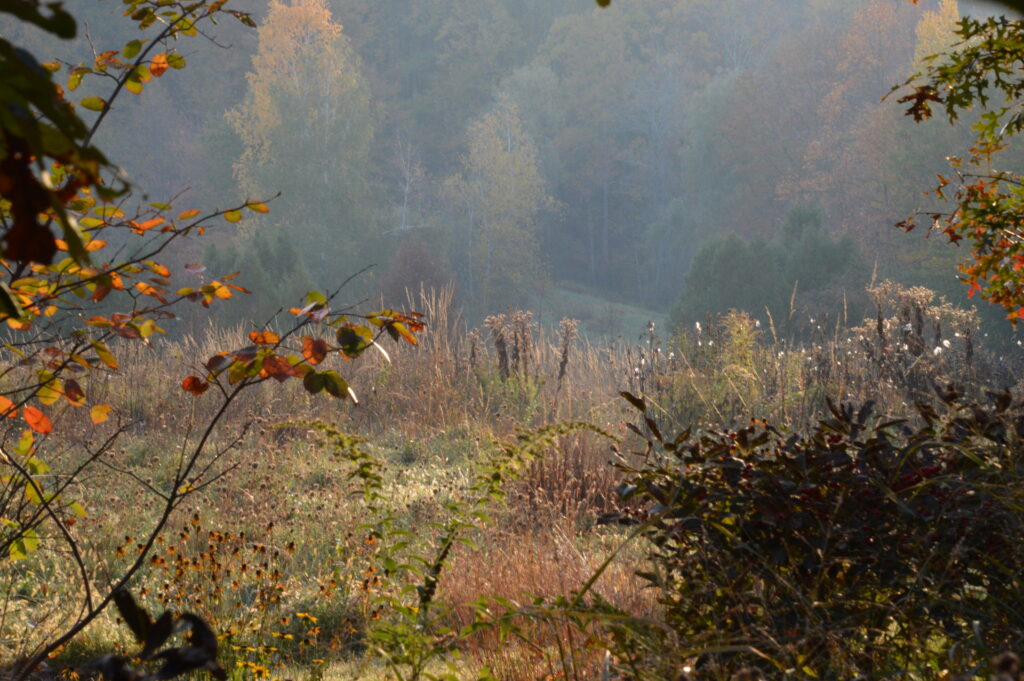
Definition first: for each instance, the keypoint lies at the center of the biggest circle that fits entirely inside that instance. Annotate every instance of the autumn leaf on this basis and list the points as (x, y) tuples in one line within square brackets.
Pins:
[(140, 227), (50, 392), (314, 349), (159, 270), (7, 407), (150, 290), (195, 385), (99, 413), (158, 65), (218, 363), (264, 337), (73, 392), (104, 354), (37, 420), (278, 368)]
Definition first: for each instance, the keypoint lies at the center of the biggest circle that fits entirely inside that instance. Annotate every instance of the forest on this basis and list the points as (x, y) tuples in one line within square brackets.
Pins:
[(525, 340)]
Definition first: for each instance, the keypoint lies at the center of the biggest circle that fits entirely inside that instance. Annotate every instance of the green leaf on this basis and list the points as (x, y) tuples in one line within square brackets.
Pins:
[(104, 354), (8, 305), (24, 545), (75, 79), (132, 49), (36, 466), (175, 61), (24, 446), (32, 494), (94, 103), (335, 385), (313, 382), (108, 211), (233, 215), (50, 392), (354, 339)]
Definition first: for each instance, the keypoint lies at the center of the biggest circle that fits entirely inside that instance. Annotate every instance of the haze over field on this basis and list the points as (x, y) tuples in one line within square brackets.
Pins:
[(520, 149)]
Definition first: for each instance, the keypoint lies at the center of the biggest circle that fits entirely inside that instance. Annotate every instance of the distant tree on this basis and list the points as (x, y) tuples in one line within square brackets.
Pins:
[(307, 126), (731, 272), (936, 31), (267, 260), (415, 266), (500, 193)]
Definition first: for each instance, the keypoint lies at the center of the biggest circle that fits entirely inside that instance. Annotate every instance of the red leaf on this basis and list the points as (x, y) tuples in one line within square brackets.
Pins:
[(278, 368), (217, 363), (73, 392), (314, 349), (195, 385)]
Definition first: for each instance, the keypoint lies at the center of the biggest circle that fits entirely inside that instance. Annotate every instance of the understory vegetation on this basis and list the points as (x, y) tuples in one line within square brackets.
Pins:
[(442, 527)]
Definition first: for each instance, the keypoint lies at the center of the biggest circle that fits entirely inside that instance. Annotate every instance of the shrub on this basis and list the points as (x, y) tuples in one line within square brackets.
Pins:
[(863, 547)]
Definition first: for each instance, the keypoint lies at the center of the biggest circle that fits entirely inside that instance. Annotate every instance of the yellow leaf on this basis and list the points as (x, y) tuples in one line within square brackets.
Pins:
[(100, 413)]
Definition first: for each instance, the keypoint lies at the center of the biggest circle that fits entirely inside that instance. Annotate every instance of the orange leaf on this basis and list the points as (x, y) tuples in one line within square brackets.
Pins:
[(7, 408), (100, 413), (314, 349), (405, 333), (195, 385), (189, 214), (140, 227), (159, 64), (264, 337), (150, 290), (37, 420), (95, 245)]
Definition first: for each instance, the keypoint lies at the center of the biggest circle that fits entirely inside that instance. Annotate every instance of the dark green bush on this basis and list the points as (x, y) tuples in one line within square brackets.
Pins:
[(864, 547), (730, 272)]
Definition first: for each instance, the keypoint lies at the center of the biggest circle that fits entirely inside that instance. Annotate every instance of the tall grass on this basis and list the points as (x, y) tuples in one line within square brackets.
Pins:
[(433, 410)]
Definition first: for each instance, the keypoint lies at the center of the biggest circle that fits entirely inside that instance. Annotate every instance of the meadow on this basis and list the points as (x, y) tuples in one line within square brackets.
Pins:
[(489, 507)]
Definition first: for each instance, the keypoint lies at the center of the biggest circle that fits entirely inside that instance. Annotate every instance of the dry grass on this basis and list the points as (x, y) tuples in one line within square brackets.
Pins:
[(430, 413)]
